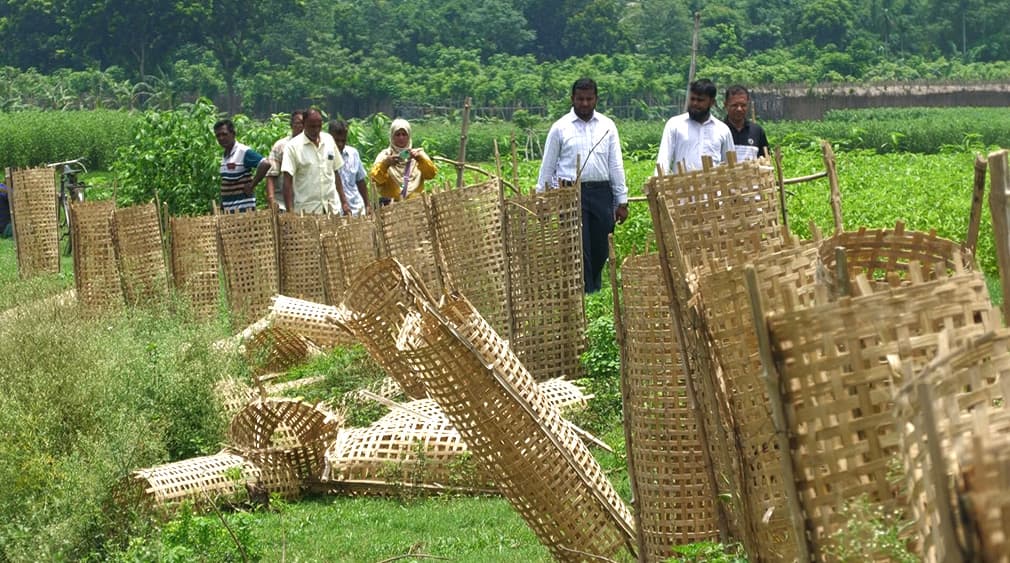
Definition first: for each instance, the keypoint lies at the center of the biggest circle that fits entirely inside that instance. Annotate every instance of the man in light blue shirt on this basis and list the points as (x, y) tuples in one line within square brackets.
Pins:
[(352, 173)]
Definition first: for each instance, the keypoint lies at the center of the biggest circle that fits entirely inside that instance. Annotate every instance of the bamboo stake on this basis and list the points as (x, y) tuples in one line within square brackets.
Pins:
[(780, 180), (948, 537), (977, 193), (999, 191), (629, 447), (504, 237), (836, 195), (515, 161), (462, 142), (694, 57), (770, 375)]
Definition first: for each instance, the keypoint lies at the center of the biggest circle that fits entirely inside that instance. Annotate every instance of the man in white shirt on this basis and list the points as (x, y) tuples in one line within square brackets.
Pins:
[(275, 182), (689, 136), (311, 161), (352, 173), (589, 138)]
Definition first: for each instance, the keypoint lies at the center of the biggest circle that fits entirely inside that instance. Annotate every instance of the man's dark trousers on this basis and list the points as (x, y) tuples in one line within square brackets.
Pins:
[(597, 224)]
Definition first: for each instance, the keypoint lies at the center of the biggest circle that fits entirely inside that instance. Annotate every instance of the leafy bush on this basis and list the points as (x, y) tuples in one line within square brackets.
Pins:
[(191, 537)]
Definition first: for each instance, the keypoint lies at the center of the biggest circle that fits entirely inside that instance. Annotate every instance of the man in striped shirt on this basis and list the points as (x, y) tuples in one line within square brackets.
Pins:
[(241, 170)]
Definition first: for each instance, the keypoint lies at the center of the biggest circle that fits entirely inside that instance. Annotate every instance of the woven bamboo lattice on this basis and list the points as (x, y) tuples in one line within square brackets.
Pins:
[(670, 480), (194, 262), (704, 376), (984, 489), (545, 272), (347, 248), (140, 252), (468, 227), (968, 384), (96, 273), (208, 480), (309, 320), (301, 260), (413, 445), (33, 209), (727, 212), (792, 273), (407, 236), (520, 440), (249, 262), (885, 254), (837, 389), (277, 349), (284, 436), (373, 310)]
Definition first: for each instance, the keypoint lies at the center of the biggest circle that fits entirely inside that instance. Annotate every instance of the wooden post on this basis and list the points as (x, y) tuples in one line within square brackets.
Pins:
[(622, 339), (694, 58), (462, 142), (780, 180), (515, 163), (999, 191), (770, 375), (977, 193), (504, 242), (836, 194)]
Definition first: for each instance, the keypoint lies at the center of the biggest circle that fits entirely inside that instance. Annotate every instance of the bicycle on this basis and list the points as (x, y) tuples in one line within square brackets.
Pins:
[(71, 189)]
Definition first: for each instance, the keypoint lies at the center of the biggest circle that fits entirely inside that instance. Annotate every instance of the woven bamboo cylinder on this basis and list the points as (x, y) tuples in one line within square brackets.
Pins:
[(837, 390), (728, 212), (984, 491), (544, 252), (276, 349), (968, 383), (675, 502), (249, 263), (140, 253), (206, 480), (884, 255), (374, 309), (468, 227), (300, 256), (96, 273), (348, 246), (33, 209), (533, 455), (791, 273), (284, 436), (407, 236), (309, 320), (195, 262)]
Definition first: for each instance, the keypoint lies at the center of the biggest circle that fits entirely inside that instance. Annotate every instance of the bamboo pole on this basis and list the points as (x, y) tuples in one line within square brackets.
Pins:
[(504, 239), (938, 468), (773, 382), (978, 191), (999, 191), (515, 162), (780, 180), (462, 142), (629, 447), (836, 194), (694, 58)]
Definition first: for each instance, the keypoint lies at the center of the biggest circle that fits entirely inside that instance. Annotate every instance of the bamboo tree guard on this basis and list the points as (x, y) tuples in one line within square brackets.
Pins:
[(984, 489), (348, 247), (276, 349), (284, 436), (249, 263), (544, 252), (670, 478), (884, 255), (194, 256), (34, 214), (723, 299), (836, 393), (96, 273), (967, 387), (468, 228), (309, 320), (373, 310), (140, 253), (535, 458), (407, 235), (300, 257), (414, 445)]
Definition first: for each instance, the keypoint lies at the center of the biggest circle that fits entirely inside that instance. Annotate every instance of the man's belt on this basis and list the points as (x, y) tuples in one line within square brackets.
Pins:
[(585, 185)]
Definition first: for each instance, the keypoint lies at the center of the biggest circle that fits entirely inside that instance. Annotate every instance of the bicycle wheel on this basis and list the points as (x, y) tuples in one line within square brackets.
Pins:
[(66, 231)]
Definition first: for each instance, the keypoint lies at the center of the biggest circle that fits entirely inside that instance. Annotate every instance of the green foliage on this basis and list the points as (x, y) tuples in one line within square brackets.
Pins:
[(602, 364), (191, 537), (871, 532), (709, 552), (33, 138)]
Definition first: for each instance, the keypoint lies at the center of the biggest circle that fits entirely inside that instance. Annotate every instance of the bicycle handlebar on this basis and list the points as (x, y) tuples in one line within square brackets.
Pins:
[(77, 161)]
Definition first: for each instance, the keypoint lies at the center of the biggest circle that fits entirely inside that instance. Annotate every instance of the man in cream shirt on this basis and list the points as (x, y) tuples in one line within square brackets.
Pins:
[(310, 164)]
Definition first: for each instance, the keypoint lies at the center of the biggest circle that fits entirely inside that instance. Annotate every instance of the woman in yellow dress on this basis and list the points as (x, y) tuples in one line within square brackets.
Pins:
[(399, 171)]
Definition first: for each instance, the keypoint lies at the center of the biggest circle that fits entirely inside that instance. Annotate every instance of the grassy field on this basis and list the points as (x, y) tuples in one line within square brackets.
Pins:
[(88, 399)]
